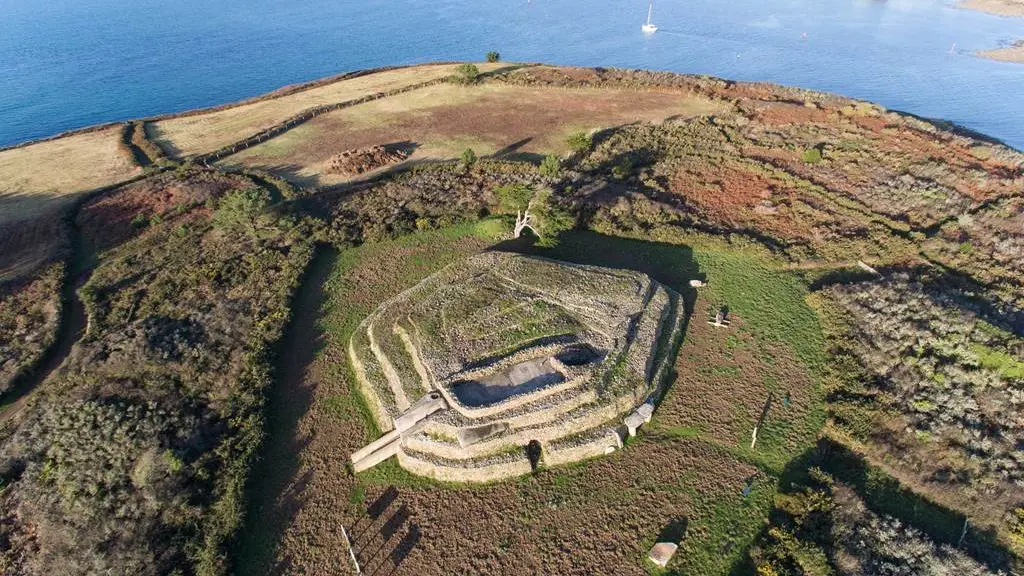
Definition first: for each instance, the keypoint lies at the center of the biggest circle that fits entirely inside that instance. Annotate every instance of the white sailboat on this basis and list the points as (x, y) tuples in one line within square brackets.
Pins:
[(649, 28)]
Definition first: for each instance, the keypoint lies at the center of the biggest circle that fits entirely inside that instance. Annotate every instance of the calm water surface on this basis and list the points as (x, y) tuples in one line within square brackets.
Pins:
[(70, 63)]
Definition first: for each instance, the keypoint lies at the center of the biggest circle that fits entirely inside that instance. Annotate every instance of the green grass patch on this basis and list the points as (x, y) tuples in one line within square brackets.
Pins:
[(1005, 364)]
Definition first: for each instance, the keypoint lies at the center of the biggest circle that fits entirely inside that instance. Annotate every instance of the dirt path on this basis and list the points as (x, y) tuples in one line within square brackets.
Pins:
[(70, 329), (277, 489)]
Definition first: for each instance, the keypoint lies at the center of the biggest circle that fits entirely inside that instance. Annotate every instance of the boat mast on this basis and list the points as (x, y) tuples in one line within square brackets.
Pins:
[(649, 8)]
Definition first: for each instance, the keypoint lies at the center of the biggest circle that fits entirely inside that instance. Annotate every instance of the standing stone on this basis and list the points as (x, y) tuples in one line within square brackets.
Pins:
[(662, 552)]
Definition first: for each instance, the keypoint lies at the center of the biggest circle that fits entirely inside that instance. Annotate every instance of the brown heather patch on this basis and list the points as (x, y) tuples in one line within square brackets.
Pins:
[(107, 220), (782, 113)]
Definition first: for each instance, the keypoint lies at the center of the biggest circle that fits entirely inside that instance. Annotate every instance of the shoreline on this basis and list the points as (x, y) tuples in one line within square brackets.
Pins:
[(285, 90), (1004, 8), (1011, 53)]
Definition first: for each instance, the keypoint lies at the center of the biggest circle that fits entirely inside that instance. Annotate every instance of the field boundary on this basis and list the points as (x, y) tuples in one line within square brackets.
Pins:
[(281, 92), (302, 117), (310, 113)]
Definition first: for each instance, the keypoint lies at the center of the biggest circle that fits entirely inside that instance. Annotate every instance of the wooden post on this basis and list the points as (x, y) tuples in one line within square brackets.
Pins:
[(351, 552), (764, 414)]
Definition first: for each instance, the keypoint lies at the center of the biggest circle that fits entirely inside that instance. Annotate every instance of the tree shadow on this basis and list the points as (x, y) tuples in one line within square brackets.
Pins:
[(882, 495), (277, 490), (374, 548), (673, 265), (512, 148)]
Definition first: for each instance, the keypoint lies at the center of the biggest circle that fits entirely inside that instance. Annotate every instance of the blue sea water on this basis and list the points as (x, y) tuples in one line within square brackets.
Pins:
[(71, 63)]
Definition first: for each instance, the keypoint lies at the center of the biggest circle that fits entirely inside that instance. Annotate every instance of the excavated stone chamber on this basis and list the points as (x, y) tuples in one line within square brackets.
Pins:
[(466, 369)]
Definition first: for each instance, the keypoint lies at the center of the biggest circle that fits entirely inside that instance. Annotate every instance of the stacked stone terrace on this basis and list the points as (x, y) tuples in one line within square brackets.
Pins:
[(468, 367)]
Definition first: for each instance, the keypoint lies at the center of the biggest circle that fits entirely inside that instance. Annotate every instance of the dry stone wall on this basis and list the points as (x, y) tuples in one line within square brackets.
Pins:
[(520, 350)]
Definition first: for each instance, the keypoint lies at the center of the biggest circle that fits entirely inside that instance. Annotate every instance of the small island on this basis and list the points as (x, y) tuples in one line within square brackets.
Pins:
[(1011, 53)]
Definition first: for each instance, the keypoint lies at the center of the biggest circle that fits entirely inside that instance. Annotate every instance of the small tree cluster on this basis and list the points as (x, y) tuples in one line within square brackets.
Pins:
[(468, 158), (579, 142), (812, 156), (467, 74), (493, 56), (535, 209), (241, 211), (551, 166)]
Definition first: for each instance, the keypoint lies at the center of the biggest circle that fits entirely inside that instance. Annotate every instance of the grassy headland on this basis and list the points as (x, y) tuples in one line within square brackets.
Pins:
[(871, 262)]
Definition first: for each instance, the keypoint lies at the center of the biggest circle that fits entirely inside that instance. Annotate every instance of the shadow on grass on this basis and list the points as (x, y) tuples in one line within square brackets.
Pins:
[(277, 489), (883, 495), (673, 265)]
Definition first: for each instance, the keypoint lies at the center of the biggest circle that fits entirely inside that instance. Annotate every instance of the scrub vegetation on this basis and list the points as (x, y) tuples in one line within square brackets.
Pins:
[(868, 262)]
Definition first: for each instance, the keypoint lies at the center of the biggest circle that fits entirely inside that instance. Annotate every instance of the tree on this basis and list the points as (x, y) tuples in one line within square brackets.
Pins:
[(240, 210), (467, 73), (551, 166), (493, 56), (579, 142), (536, 210), (468, 158)]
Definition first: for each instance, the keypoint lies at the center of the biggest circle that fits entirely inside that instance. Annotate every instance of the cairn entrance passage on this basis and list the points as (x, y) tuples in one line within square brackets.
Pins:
[(501, 351)]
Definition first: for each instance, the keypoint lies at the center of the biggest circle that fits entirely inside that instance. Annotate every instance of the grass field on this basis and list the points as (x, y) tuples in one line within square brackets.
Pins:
[(36, 179), (439, 122), (202, 133), (679, 479)]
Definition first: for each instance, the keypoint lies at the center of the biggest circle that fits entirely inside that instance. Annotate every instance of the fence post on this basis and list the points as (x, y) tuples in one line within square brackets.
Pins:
[(351, 552)]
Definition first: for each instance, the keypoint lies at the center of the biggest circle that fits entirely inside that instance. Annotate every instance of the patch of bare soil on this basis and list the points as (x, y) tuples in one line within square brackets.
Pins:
[(28, 244), (356, 162)]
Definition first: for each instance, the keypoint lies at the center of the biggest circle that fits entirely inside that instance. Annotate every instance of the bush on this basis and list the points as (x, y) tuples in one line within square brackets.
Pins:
[(551, 166), (423, 223), (493, 56), (812, 156), (579, 142), (241, 210), (467, 74), (140, 221), (468, 158)]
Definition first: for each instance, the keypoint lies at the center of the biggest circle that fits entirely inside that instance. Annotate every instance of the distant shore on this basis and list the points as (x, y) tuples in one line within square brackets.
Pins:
[(1008, 8), (1011, 53)]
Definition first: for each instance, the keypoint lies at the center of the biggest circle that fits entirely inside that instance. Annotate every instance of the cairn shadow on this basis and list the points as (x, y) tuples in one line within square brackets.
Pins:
[(277, 489)]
